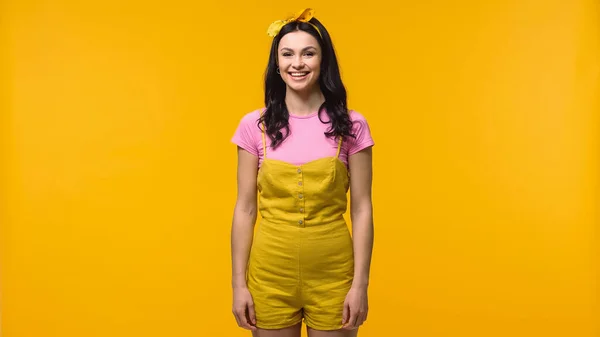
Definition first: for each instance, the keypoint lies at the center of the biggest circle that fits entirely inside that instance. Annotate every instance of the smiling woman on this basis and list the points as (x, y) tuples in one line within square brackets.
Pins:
[(297, 153), (299, 68)]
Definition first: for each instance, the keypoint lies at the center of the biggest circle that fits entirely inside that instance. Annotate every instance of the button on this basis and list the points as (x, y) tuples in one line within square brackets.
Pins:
[(299, 183), (301, 210), (300, 195), (299, 170), (300, 222)]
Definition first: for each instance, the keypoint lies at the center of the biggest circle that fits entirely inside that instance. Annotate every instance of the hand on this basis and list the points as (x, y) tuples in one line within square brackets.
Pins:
[(355, 308), (243, 308)]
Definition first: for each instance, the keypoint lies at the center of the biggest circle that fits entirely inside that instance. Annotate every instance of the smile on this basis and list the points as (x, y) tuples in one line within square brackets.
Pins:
[(299, 75)]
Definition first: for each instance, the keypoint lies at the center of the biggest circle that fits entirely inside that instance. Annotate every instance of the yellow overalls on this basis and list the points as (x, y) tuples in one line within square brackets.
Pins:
[(301, 262)]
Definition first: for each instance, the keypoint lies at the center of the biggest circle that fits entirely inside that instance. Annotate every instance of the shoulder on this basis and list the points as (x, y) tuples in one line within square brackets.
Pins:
[(361, 131), (252, 117), (356, 116), (248, 122), (247, 138), (359, 121), (247, 133)]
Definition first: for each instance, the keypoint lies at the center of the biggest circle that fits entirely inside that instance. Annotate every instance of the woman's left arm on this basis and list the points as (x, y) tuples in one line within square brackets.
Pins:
[(361, 213)]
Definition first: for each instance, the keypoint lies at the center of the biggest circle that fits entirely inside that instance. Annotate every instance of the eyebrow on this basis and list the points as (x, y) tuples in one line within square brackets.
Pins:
[(303, 49)]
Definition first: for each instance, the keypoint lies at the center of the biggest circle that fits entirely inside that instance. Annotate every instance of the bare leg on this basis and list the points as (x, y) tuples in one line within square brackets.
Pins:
[(292, 331), (334, 333)]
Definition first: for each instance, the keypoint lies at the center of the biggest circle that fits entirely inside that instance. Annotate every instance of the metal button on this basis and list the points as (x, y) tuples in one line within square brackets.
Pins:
[(299, 183), (301, 210), (300, 222), (299, 170), (300, 195)]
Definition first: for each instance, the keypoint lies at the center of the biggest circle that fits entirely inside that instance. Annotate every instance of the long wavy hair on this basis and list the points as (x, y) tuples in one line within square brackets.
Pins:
[(276, 115)]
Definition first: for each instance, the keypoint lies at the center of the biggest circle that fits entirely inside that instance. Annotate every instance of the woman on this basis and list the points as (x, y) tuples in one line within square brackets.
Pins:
[(297, 153)]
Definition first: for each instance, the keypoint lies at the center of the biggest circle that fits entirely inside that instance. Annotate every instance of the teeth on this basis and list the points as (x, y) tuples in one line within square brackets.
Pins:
[(299, 74)]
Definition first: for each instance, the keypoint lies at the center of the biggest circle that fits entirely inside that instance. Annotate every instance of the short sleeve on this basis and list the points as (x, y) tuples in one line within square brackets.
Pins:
[(245, 136), (362, 131)]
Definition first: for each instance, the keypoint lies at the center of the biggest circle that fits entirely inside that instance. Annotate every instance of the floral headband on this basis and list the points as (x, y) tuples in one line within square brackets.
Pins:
[(303, 16)]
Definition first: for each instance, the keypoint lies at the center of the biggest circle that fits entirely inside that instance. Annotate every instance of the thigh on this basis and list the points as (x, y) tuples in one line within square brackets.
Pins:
[(331, 333), (324, 303), (275, 307), (327, 275), (292, 331)]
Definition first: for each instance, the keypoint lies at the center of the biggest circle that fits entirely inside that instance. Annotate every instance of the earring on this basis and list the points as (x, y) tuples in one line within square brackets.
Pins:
[(279, 72)]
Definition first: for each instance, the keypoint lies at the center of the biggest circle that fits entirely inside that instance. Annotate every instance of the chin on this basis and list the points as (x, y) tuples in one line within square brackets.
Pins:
[(301, 87), (298, 88)]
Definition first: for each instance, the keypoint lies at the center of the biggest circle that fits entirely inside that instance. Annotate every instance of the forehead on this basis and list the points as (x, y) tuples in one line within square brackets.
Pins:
[(298, 40)]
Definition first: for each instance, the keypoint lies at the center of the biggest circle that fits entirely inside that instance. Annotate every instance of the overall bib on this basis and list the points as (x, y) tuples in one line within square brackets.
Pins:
[(301, 263)]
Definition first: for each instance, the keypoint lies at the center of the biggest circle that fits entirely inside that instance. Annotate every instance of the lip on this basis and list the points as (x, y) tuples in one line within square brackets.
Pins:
[(306, 73)]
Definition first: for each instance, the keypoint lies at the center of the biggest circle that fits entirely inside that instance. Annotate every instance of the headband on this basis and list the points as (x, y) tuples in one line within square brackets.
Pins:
[(303, 16)]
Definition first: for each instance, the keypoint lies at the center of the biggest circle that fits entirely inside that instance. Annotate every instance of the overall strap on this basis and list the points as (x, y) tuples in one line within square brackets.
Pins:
[(339, 147), (264, 143), (262, 131)]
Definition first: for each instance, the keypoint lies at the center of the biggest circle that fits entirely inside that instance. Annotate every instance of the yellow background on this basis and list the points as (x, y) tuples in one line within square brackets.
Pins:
[(118, 178)]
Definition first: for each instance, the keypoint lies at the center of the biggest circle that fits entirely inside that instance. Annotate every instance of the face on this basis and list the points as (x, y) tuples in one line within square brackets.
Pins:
[(299, 60)]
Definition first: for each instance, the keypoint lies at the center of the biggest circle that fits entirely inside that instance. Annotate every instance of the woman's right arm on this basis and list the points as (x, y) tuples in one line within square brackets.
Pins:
[(242, 231), (244, 216)]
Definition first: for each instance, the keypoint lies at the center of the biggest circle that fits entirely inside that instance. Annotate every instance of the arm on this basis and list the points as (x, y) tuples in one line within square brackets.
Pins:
[(361, 213), (244, 216)]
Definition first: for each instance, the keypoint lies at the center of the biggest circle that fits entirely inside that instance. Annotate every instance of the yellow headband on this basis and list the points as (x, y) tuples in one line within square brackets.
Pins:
[(303, 16)]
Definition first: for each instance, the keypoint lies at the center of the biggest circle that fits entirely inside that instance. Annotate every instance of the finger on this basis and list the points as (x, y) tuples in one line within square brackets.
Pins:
[(248, 318), (361, 319), (237, 319), (243, 320), (351, 319), (251, 313), (345, 314), (350, 316)]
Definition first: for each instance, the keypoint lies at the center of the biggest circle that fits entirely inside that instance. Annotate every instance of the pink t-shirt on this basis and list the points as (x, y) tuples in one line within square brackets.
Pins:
[(306, 141)]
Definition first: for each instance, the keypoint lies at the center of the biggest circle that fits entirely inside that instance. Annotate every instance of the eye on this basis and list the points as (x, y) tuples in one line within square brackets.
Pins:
[(287, 54), (310, 53)]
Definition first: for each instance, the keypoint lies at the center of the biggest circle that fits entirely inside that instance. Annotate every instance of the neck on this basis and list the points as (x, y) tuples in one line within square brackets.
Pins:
[(303, 103)]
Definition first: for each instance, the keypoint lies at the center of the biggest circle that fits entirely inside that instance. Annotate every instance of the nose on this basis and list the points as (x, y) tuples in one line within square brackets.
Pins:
[(298, 64)]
